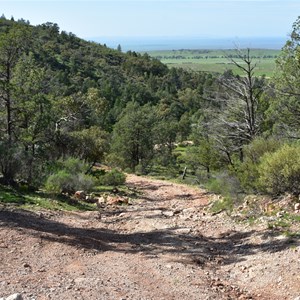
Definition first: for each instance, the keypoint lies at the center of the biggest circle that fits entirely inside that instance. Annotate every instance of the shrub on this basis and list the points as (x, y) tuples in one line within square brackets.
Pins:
[(280, 171), (259, 146), (63, 181), (59, 182), (98, 173), (113, 178), (224, 184), (74, 165), (247, 171), (69, 178), (225, 204)]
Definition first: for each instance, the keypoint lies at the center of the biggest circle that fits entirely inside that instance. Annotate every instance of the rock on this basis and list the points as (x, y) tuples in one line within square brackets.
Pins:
[(190, 210), (26, 265), (112, 200), (297, 206), (90, 199), (100, 200), (80, 195), (16, 296), (297, 298), (168, 213), (183, 230), (280, 214), (116, 200)]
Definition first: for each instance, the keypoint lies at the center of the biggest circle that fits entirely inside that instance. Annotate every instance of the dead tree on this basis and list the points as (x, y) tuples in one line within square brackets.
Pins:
[(239, 120)]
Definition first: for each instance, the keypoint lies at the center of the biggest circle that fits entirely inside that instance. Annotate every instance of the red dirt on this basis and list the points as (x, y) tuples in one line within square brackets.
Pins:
[(162, 246)]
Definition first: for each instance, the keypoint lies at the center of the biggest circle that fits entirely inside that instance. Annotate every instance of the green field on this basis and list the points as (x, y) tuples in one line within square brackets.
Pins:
[(216, 60)]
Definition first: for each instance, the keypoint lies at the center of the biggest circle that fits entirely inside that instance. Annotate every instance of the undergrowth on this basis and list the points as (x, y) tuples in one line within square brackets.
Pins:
[(37, 200)]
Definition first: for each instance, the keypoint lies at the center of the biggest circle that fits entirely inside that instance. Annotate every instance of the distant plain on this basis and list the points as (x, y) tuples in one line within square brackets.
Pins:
[(217, 60)]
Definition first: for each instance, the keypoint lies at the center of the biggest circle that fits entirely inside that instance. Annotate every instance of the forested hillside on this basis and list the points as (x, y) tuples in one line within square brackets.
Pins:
[(65, 99)]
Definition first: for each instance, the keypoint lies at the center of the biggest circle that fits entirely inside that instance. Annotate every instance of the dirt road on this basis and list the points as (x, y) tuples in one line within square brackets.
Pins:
[(162, 246)]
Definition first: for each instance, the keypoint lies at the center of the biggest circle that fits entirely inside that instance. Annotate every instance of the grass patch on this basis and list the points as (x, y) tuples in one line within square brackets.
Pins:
[(37, 200), (224, 204), (59, 202), (279, 224), (294, 218)]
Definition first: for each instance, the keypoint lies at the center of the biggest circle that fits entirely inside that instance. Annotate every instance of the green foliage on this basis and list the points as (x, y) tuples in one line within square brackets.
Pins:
[(61, 96), (133, 139), (248, 170), (69, 178), (73, 165), (225, 204), (112, 178), (228, 187), (37, 200), (165, 132), (285, 107), (220, 184), (62, 181), (90, 144), (203, 156), (280, 171)]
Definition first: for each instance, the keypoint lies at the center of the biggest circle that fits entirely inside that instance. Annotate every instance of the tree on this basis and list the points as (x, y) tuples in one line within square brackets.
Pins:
[(240, 117), (286, 106), (119, 48), (90, 144), (133, 140), (165, 132), (203, 154), (33, 126), (12, 44)]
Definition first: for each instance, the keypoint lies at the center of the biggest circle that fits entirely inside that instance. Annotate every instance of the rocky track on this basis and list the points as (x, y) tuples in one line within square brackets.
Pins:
[(162, 246)]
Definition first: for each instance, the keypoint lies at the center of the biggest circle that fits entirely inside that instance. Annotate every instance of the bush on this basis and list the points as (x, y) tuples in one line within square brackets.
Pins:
[(70, 178), (224, 184), (247, 171), (280, 171), (65, 182), (113, 178), (225, 204)]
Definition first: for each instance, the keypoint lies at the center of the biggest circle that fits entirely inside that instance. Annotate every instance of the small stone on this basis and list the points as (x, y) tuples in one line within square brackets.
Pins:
[(42, 270), (16, 296), (280, 214), (80, 195), (168, 213)]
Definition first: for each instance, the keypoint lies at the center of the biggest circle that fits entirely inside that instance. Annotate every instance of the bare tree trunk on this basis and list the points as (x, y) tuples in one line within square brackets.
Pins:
[(184, 173)]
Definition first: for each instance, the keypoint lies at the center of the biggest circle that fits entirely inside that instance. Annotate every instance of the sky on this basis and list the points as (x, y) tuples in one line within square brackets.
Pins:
[(160, 18)]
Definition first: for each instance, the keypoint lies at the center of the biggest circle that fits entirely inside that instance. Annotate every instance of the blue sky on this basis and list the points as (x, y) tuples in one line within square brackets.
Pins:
[(220, 18)]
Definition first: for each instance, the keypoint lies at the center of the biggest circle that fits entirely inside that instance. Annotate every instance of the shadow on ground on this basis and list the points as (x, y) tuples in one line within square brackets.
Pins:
[(201, 250)]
